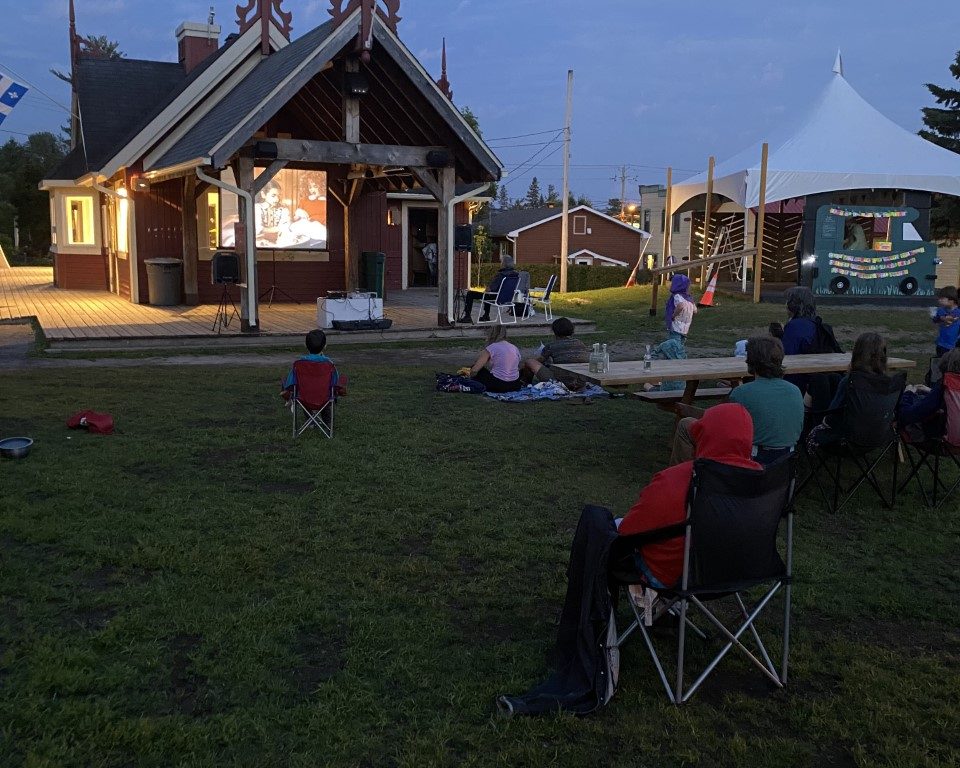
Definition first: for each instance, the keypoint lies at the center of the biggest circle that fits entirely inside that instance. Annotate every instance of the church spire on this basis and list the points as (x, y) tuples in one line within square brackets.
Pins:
[(443, 83)]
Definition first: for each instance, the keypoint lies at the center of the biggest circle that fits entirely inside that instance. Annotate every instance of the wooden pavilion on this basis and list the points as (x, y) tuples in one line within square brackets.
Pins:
[(287, 151)]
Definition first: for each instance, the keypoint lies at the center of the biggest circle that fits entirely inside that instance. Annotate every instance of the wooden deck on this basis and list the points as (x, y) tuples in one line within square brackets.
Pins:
[(76, 318)]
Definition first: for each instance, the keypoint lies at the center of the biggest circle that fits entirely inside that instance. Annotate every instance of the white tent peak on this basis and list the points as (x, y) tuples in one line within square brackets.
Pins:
[(838, 64), (841, 142)]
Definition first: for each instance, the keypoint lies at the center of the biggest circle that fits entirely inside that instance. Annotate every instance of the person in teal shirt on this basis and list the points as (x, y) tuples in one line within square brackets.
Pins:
[(775, 405)]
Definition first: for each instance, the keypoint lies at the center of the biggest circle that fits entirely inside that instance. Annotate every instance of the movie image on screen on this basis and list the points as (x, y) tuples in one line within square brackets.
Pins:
[(289, 212)]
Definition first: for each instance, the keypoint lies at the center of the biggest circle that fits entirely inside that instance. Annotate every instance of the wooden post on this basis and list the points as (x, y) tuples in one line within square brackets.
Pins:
[(761, 214), (655, 280), (445, 216), (248, 297), (191, 248), (565, 224), (351, 108), (351, 264), (707, 214)]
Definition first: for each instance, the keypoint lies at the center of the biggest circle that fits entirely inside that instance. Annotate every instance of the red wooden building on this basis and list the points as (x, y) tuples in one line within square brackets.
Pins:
[(532, 236), (297, 154)]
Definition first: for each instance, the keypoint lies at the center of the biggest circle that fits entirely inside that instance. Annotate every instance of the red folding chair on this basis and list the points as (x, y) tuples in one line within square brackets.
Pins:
[(314, 392)]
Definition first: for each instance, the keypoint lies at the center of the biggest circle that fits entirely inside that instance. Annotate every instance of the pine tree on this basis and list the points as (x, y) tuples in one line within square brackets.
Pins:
[(553, 197), (503, 199), (943, 128), (534, 198)]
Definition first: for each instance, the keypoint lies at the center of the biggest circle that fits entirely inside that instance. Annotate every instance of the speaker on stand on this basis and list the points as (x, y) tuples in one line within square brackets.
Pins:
[(225, 271)]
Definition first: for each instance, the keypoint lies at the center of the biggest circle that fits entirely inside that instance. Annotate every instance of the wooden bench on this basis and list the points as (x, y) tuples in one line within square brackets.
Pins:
[(673, 396)]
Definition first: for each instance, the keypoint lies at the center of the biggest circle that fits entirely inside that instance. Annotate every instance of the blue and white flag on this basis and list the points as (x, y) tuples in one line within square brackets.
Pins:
[(11, 94)]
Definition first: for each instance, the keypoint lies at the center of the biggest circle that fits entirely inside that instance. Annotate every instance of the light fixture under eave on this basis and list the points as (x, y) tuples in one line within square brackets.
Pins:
[(139, 184)]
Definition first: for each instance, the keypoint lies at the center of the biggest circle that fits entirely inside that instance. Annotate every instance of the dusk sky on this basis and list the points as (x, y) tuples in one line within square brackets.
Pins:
[(656, 83)]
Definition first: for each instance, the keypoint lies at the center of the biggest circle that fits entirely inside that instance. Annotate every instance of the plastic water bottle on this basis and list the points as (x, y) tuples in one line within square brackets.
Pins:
[(604, 360), (595, 359), (647, 359)]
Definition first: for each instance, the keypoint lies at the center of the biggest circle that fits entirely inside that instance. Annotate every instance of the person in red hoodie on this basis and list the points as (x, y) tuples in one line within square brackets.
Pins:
[(725, 434)]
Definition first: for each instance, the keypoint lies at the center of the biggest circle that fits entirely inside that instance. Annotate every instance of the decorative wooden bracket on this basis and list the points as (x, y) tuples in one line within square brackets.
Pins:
[(387, 10), (264, 11)]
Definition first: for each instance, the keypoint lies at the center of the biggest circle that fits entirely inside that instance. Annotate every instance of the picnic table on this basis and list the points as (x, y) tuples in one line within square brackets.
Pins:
[(694, 370)]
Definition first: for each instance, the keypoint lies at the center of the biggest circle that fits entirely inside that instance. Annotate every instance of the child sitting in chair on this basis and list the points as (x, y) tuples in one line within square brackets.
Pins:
[(316, 342)]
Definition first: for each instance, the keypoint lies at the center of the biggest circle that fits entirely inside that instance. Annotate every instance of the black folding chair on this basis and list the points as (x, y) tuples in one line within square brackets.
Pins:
[(730, 547), (863, 432), (931, 455)]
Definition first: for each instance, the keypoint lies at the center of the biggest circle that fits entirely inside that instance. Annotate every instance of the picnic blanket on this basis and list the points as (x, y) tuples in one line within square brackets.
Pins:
[(547, 390)]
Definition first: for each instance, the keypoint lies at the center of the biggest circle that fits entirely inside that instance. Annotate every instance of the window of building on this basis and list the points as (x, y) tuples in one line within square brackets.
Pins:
[(80, 221), (676, 222), (579, 225), (211, 219), (663, 220), (646, 219)]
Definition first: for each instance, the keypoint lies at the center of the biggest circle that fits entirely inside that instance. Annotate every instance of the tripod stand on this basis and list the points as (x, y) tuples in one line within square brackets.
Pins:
[(274, 288), (224, 318)]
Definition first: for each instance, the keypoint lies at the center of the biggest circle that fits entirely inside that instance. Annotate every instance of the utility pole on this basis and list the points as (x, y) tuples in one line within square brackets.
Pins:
[(565, 228), (623, 193)]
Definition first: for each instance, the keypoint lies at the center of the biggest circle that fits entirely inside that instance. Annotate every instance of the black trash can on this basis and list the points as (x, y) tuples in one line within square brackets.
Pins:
[(164, 281), (374, 272)]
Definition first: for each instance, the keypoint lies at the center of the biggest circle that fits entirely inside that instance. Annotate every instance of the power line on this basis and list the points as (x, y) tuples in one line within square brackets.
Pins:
[(526, 135), (534, 156), (515, 146), (18, 133), (516, 175)]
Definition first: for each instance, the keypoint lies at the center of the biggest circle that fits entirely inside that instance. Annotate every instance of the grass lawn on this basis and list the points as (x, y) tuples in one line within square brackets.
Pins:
[(199, 589), (622, 315)]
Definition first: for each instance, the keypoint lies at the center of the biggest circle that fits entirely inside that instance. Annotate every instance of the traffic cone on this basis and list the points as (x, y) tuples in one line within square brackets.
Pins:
[(707, 299)]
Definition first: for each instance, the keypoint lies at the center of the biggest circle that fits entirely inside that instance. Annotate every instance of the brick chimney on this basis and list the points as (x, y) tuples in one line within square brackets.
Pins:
[(196, 42)]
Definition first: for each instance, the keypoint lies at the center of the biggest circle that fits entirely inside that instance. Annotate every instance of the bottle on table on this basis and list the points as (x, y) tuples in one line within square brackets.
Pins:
[(595, 359), (604, 360), (647, 359)]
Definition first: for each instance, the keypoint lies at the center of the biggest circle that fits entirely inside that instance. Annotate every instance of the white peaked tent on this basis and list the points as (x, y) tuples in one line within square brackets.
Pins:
[(842, 143)]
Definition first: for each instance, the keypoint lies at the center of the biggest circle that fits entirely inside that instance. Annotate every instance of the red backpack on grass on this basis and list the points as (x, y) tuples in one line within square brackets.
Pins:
[(93, 422)]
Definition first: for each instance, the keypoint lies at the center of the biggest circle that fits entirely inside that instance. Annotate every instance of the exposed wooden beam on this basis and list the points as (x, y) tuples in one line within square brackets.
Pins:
[(761, 216), (344, 153), (445, 239), (269, 172), (425, 176)]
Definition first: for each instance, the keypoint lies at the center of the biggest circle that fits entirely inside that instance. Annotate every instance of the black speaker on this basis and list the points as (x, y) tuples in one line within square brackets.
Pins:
[(265, 150), (225, 268), (463, 237), (438, 158)]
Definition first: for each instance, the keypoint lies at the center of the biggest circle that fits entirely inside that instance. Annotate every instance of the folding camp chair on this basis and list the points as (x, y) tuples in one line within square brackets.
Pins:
[(542, 296), (522, 307), (866, 433), (501, 301), (931, 453), (730, 547), (314, 394)]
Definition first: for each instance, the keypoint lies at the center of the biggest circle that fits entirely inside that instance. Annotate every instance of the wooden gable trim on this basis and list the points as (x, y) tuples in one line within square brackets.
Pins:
[(438, 100), (595, 255), (281, 94), (586, 208), (184, 103)]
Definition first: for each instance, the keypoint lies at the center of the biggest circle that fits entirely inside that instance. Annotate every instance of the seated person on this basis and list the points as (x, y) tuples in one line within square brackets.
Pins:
[(506, 270), (775, 405), (316, 342), (870, 356), (563, 349), (503, 359), (724, 434), (920, 405)]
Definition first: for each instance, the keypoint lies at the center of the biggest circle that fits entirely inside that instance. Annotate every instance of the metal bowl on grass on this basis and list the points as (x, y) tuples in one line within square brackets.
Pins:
[(15, 447)]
